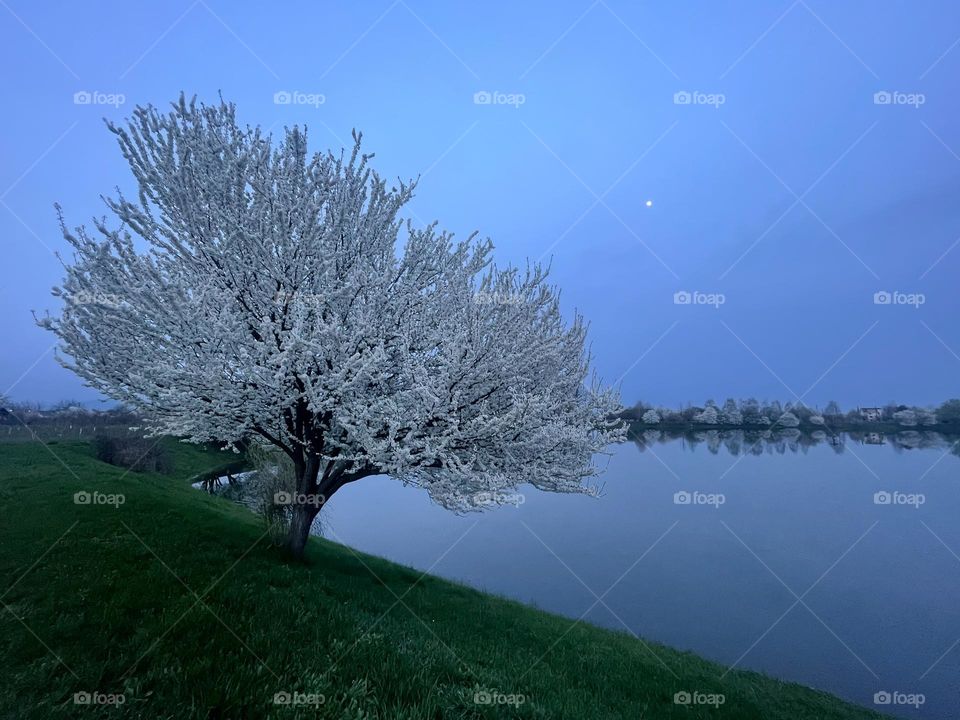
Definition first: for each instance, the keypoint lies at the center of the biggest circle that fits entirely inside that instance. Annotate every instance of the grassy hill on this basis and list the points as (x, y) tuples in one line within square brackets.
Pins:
[(176, 602)]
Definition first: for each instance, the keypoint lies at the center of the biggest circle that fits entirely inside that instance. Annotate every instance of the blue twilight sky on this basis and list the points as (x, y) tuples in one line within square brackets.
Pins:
[(779, 182)]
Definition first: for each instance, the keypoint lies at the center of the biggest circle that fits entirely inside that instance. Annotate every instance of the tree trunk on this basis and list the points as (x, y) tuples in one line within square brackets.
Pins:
[(306, 504), (313, 492), (300, 525)]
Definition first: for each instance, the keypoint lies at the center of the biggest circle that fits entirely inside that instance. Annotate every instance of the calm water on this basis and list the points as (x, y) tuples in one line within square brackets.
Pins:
[(879, 583)]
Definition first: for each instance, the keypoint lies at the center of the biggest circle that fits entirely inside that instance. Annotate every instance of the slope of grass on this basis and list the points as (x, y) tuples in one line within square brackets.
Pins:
[(175, 601)]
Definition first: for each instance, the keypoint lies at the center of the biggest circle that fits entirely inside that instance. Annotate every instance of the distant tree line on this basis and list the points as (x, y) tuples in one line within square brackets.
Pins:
[(67, 412), (753, 413), (111, 431)]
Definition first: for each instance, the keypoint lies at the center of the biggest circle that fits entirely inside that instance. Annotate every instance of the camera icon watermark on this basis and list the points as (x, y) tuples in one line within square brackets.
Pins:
[(695, 297), (695, 97), (695, 497), (98, 498), (895, 497), (695, 697), (495, 97), (95, 697), (895, 697), (96, 97), (493, 697), (884, 297), (299, 698), (284, 497), (895, 97), (296, 97)]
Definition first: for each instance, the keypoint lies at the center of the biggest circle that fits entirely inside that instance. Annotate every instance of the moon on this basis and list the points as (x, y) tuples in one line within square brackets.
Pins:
[(649, 203)]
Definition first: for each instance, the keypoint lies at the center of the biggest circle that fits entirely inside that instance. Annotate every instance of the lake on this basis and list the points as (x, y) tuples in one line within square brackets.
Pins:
[(787, 562)]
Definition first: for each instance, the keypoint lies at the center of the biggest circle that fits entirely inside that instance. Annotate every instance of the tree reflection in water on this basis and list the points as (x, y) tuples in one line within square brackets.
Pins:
[(782, 440)]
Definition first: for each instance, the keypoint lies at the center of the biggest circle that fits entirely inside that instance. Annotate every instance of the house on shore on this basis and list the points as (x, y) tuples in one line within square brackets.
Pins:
[(871, 414)]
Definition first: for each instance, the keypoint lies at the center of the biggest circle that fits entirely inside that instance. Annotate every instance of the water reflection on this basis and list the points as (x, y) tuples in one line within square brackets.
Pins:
[(784, 440)]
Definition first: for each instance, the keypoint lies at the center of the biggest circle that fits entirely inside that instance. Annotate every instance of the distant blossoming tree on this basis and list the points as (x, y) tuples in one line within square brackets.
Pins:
[(709, 416), (750, 411), (907, 418), (251, 291), (731, 415), (788, 420)]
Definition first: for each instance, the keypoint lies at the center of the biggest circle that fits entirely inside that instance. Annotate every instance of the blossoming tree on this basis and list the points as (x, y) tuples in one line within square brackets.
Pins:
[(254, 292)]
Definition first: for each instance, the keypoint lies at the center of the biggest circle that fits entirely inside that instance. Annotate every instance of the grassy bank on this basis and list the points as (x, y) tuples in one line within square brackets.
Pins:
[(175, 601)]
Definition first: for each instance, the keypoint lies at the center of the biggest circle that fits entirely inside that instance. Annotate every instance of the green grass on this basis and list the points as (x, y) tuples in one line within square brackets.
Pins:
[(176, 600)]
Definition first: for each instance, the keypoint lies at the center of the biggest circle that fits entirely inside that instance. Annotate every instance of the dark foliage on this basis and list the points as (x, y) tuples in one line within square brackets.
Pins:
[(133, 453)]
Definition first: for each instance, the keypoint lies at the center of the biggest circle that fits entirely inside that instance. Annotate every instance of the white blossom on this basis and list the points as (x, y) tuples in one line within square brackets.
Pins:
[(651, 417), (907, 418), (708, 416), (788, 420), (251, 290), (730, 414)]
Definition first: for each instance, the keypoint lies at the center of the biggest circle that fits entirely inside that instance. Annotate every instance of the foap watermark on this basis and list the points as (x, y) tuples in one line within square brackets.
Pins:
[(88, 298), (495, 97), (884, 297), (686, 297), (497, 298), (495, 498), (98, 498), (95, 697), (695, 97), (695, 697), (299, 699), (495, 697), (895, 497), (896, 697), (695, 497), (96, 97), (895, 97), (294, 498), (294, 301), (296, 97)]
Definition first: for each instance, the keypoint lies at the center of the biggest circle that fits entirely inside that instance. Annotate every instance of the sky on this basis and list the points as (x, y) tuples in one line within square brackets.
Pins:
[(722, 189)]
